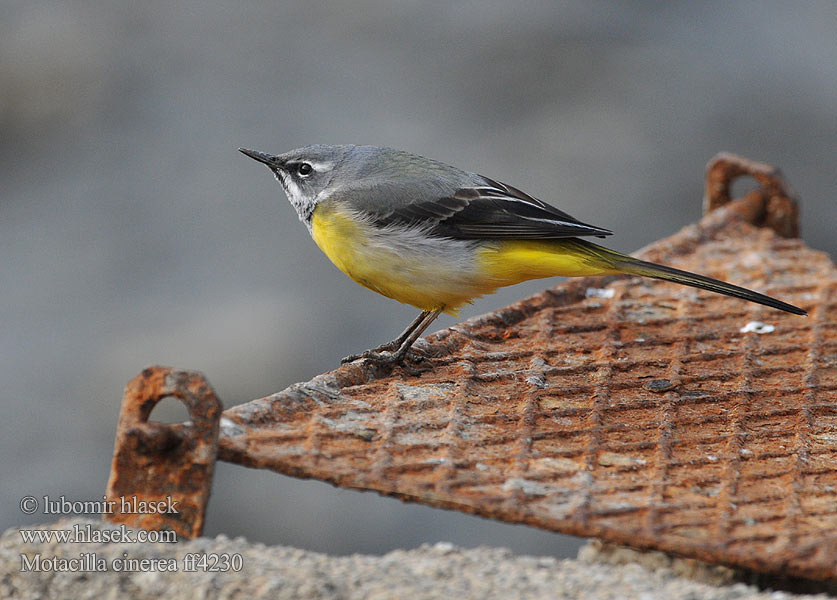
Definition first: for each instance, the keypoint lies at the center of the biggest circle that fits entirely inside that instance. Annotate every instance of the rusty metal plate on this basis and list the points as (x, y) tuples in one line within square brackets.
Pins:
[(640, 412)]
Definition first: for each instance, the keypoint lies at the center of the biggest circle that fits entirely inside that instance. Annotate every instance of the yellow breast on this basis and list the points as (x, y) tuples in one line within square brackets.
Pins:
[(397, 262)]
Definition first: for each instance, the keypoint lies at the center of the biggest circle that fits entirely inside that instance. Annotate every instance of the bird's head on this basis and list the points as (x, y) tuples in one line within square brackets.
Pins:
[(305, 173)]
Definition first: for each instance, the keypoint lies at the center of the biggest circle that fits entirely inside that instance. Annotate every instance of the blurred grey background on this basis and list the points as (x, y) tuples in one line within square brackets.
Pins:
[(133, 233)]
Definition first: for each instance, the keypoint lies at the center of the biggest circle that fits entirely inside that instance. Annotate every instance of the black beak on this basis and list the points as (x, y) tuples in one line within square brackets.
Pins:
[(270, 161)]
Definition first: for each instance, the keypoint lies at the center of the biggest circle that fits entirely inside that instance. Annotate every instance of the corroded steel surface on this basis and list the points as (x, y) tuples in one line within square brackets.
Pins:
[(641, 412), (159, 466)]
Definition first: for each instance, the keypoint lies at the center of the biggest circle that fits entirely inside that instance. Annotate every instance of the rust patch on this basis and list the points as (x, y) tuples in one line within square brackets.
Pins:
[(159, 466), (636, 411)]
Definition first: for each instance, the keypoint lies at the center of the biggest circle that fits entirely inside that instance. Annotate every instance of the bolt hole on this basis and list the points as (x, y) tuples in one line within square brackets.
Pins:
[(169, 410), (741, 186)]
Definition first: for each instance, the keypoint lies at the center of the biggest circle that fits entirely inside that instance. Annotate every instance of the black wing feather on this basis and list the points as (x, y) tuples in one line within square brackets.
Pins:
[(492, 211)]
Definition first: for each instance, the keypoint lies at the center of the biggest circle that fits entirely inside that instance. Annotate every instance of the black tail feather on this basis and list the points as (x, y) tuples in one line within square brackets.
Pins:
[(641, 267), (628, 264)]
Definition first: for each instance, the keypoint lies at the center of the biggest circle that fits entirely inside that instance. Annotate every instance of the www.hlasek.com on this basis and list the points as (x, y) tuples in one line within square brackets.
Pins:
[(87, 534)]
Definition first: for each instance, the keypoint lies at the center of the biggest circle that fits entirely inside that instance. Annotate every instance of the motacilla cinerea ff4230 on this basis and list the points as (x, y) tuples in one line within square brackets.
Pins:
[(434, 236)]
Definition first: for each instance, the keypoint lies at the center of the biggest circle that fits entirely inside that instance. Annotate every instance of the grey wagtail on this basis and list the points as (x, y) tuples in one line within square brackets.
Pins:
[(434, 236)]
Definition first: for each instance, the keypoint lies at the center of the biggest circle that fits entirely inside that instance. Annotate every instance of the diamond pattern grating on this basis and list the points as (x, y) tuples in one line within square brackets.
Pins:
[(623, 408)]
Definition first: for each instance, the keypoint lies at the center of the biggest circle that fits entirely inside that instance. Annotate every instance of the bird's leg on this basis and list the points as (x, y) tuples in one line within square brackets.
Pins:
[(397, 342), (415, 334)]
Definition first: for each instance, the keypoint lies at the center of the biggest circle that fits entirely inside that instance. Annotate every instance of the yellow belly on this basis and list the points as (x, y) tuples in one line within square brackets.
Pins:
[(439, 273)]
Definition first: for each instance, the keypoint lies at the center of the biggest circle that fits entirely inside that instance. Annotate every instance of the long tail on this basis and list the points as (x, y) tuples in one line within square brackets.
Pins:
[(628, 264)]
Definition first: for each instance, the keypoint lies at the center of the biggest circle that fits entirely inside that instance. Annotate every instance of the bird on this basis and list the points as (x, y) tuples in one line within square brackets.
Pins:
[(436, 237)]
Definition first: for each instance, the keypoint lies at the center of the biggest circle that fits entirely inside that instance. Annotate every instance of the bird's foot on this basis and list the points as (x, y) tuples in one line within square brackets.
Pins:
[(408, 360), (374, 354)]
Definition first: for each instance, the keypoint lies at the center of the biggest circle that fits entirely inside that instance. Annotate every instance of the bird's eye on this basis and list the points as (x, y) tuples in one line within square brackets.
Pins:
[(304, 169)]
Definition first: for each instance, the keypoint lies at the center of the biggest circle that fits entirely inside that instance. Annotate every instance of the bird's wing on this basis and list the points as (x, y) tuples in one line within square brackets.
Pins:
[(490, 211)]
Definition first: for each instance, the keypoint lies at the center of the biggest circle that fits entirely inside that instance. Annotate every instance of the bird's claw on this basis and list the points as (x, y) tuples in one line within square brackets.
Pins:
[(379, 354), (384, 358)]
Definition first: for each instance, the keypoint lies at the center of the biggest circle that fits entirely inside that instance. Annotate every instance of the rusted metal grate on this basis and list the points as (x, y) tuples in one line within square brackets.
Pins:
[(639, 412), (627, 409)]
